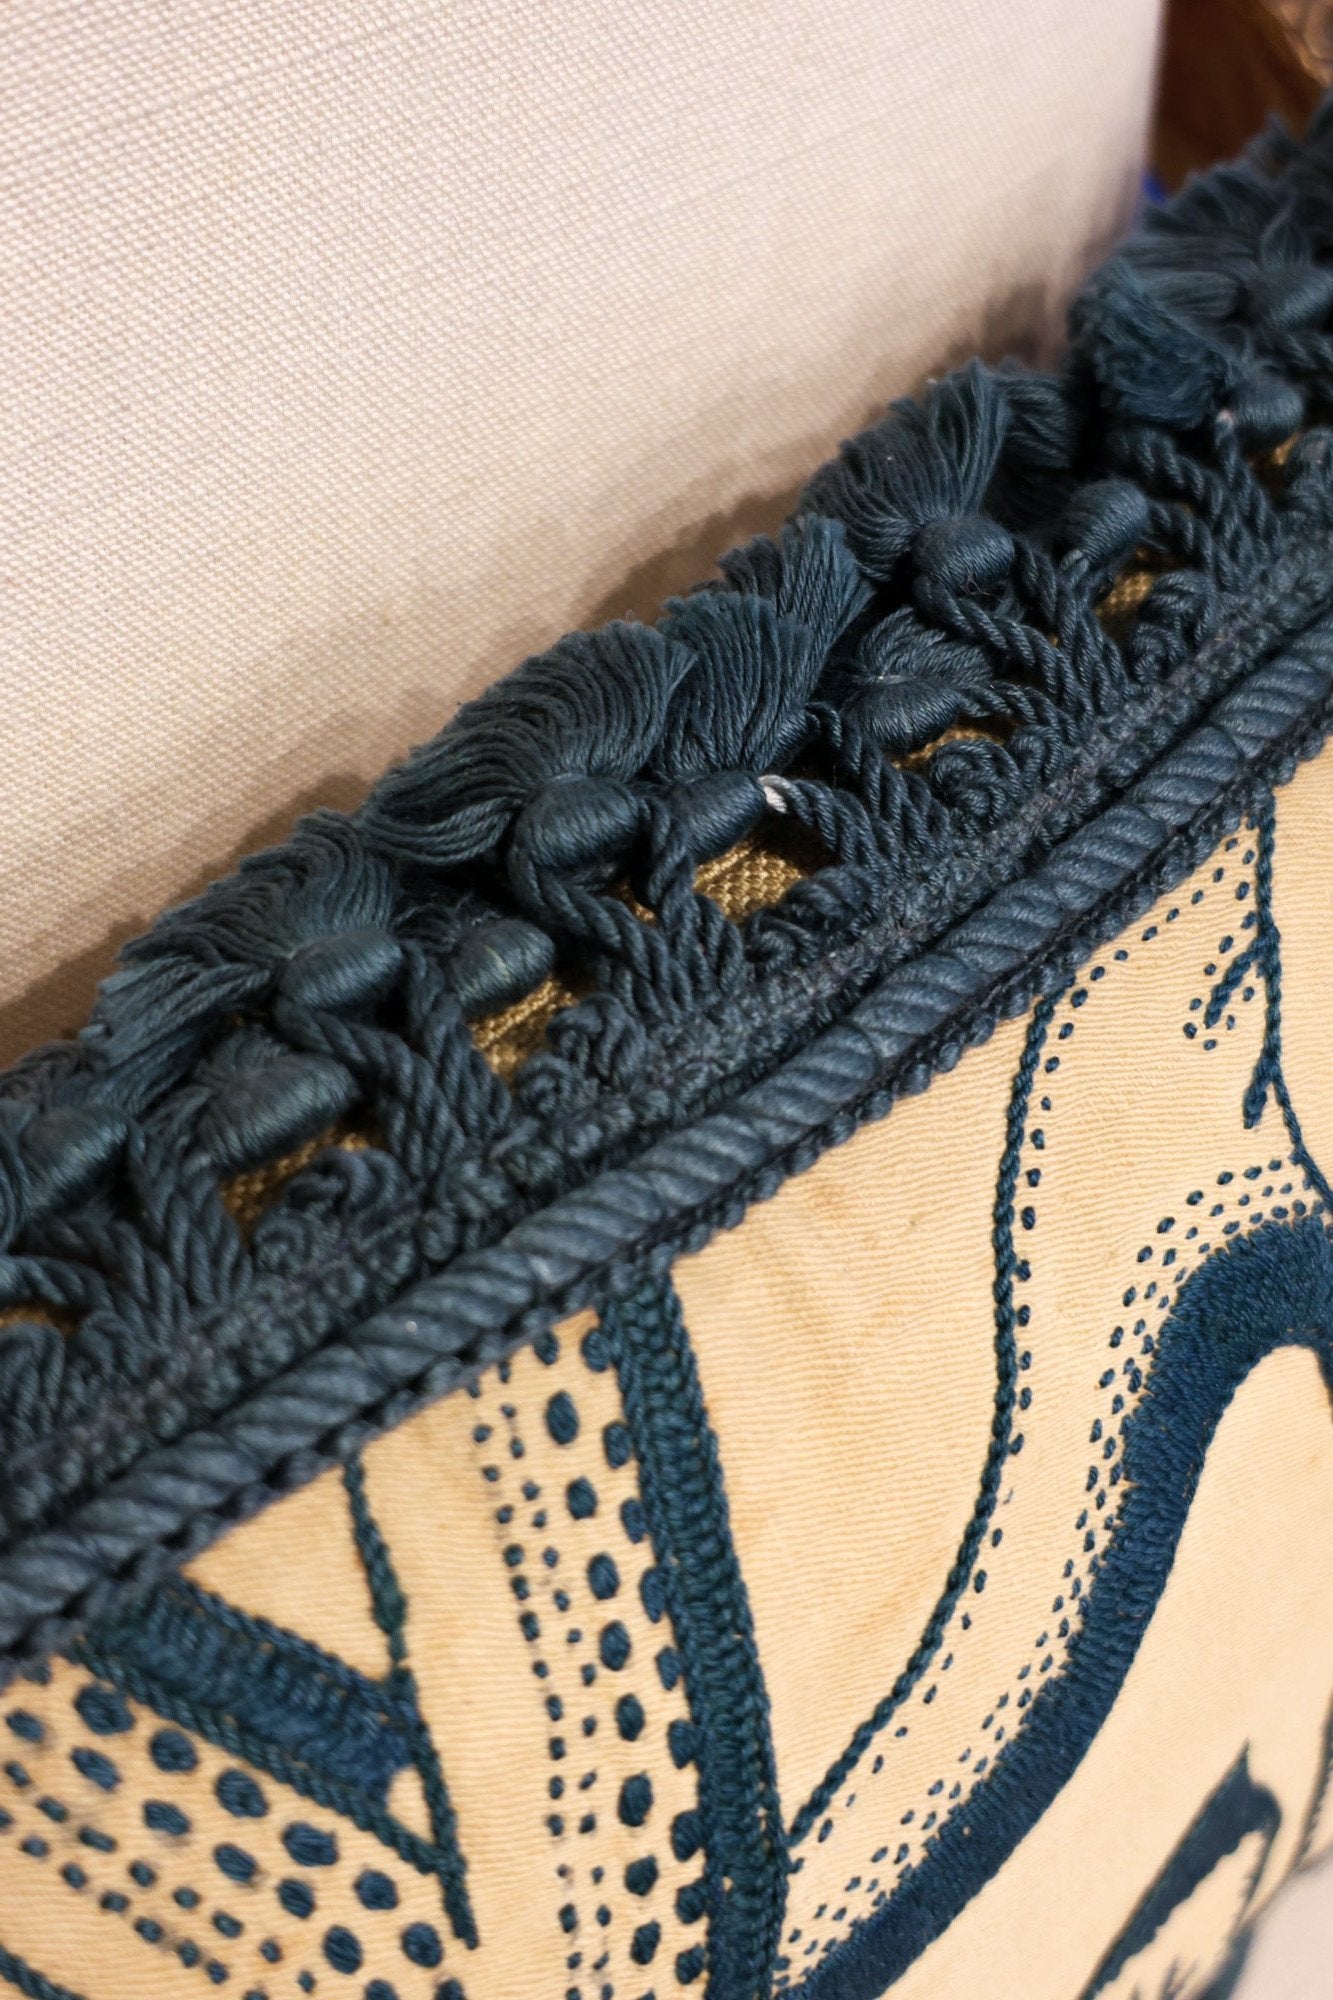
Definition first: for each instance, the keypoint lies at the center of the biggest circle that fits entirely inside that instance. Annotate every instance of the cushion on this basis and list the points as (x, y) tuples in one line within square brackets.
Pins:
[(694, 1350)]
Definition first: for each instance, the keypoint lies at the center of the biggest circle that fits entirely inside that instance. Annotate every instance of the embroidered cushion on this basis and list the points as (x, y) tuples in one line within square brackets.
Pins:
[(693, 1352)]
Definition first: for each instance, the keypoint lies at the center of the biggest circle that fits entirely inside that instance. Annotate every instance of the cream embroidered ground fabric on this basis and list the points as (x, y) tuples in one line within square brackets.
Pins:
[(352, 351), (844, 1337)]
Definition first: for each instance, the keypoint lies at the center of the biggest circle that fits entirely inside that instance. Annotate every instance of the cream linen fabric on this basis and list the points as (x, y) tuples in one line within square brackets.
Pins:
[(354, 348)]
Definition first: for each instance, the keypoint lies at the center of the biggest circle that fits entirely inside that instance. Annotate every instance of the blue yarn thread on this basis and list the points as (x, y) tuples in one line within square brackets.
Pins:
[(680, 1477), (1006, 1386), (1260, 1294), (1269, 1076), (334, 1796), (17, 1972), (390, 1611), (1237, 1808), (269, 1698), (280, 1689)]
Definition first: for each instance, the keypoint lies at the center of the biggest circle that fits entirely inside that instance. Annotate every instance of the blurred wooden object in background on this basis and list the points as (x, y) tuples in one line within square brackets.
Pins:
[(1230, 65)]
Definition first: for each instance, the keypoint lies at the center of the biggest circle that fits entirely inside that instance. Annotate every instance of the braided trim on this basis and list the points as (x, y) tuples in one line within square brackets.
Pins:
[(914, 672)]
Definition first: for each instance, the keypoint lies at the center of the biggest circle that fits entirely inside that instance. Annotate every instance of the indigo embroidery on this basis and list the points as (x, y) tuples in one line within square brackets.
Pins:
[(740, 1822), (17, 1972), (203, 1655), (1133, 1566), (1006, 1381), (289, 1709), (1268, 1076), (1236, 1809), (1260, 1293), (390, 1610)]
